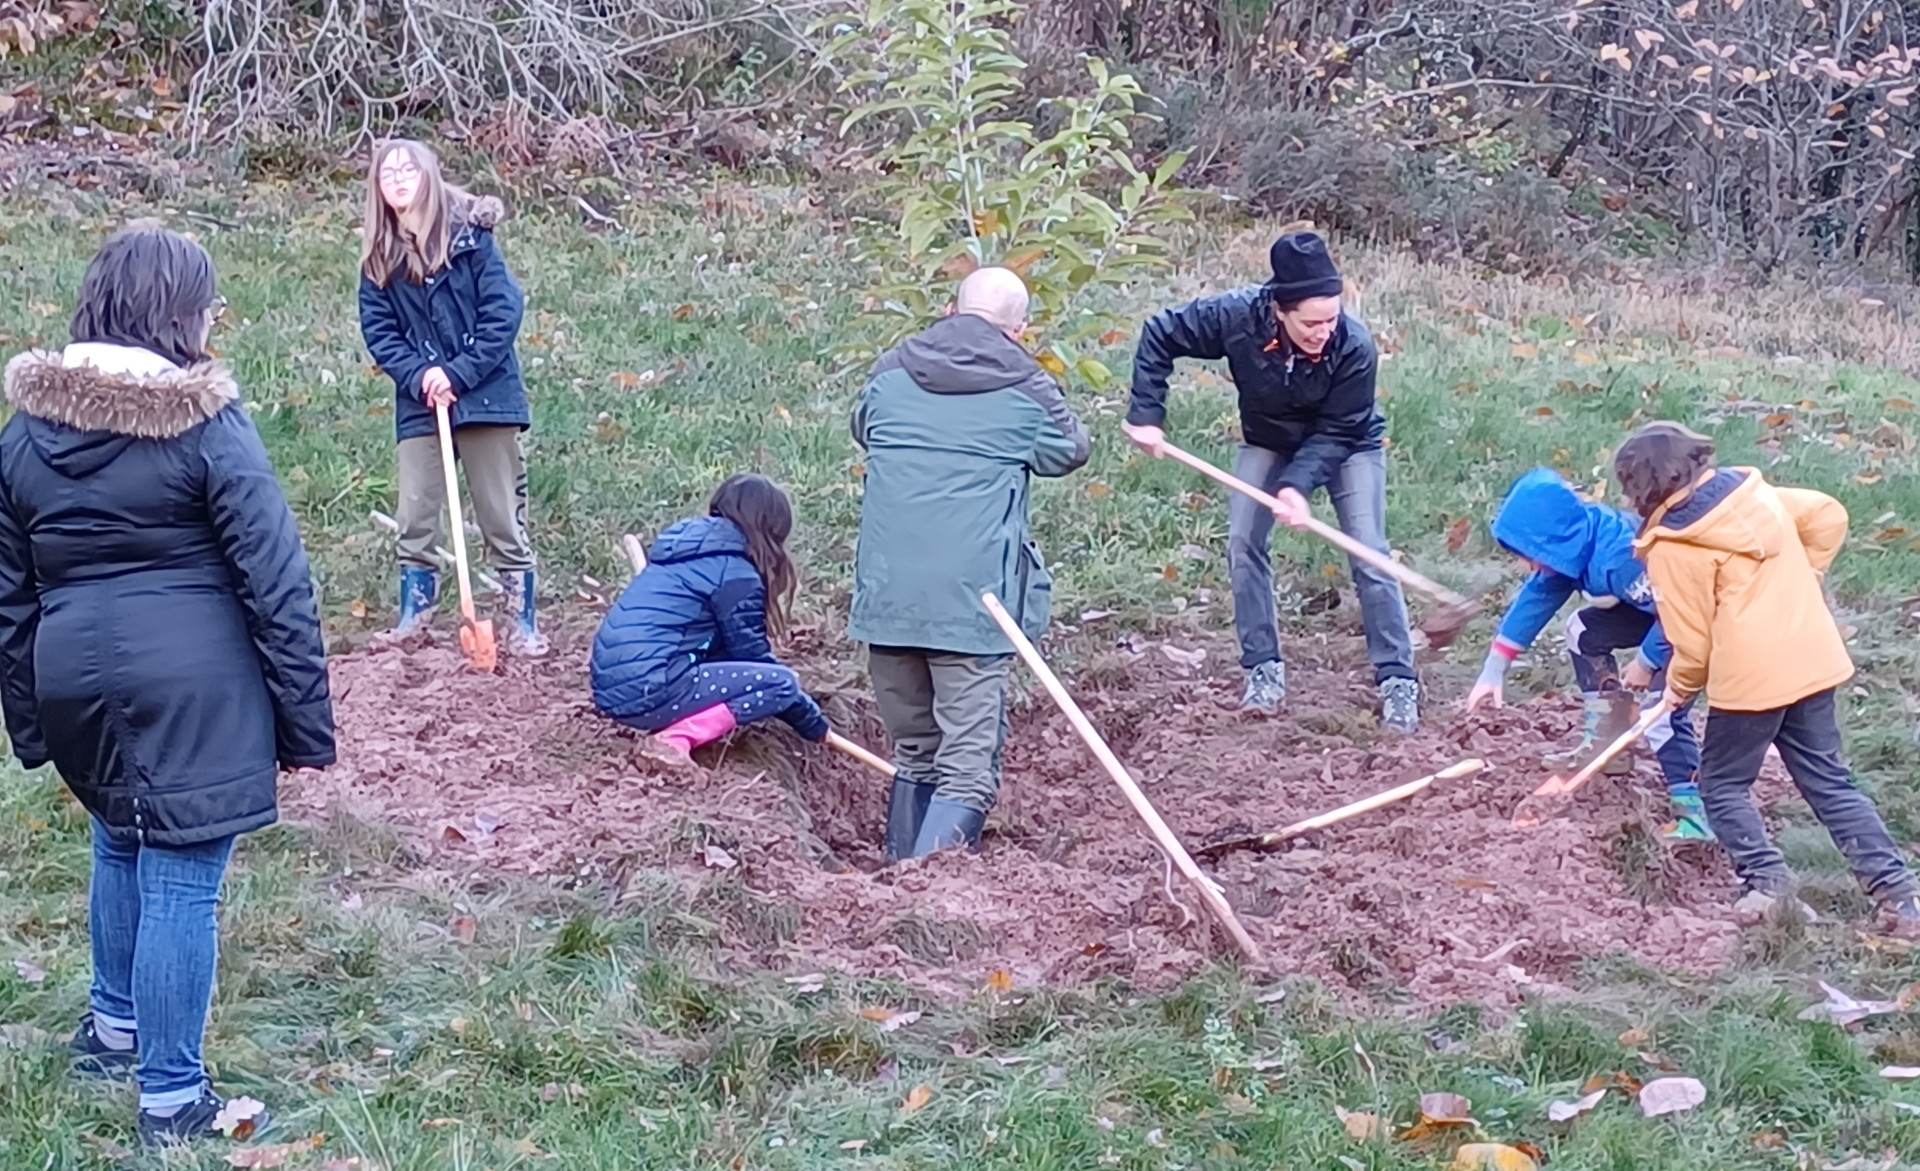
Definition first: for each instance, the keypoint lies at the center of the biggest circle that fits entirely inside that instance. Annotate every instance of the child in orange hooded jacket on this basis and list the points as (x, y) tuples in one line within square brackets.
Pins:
[(1737, 566)]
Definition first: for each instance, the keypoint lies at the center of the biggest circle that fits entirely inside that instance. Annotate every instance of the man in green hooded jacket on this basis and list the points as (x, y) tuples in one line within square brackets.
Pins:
[(955, 421)]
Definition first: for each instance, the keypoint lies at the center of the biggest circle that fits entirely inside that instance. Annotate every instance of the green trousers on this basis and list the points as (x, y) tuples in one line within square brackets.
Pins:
[(947, 716)]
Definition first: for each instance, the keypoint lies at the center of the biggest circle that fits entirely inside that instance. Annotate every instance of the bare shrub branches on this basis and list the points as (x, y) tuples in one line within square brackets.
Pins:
[(333, 66)]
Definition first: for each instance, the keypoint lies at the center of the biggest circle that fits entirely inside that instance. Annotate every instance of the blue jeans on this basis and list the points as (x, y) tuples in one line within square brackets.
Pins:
[(1359, 491), (752, 691), (1808, 736), (155, 942)]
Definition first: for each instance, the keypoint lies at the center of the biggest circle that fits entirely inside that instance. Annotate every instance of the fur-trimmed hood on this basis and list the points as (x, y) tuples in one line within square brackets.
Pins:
[(86, 405)]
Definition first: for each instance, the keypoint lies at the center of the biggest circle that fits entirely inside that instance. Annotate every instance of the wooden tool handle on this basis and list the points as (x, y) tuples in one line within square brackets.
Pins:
[(1620, 744), (1465, 768), (871, 760), (1321, 529), (1209, 893), (453, 511)]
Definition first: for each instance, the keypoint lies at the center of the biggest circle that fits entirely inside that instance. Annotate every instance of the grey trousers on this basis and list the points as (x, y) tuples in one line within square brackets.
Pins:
[(496, 475), (947, 716)]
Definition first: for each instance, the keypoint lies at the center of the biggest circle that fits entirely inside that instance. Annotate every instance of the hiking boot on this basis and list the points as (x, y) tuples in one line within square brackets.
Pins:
[(523, 629), (1690, 817), (93, 1058), (419, 590), (1899, 917), (1400, 704), (1266, 688), (1604, 716), (202, 1119), (1757, 906)]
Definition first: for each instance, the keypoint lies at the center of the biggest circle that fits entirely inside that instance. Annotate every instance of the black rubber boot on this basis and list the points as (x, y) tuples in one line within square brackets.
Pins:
[(906, 809), (948, 824)]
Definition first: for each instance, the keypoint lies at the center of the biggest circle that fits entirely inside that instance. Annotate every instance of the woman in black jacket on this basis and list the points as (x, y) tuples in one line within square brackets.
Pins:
[(159, 644)]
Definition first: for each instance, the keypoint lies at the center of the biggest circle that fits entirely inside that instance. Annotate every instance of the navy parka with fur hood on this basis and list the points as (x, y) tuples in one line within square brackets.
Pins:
[(159, 641)]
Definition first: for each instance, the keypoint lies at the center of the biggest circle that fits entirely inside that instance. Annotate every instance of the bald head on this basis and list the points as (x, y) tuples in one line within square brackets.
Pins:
[(997, 294)]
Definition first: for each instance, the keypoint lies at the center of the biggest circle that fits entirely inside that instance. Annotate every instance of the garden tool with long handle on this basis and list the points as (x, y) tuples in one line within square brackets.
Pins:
[(476, 634), (1279, 837), (1442, 626), (1545, 802)]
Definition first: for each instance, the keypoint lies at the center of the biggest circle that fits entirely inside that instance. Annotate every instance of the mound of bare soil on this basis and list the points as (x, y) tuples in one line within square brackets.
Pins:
[(1433, 901)]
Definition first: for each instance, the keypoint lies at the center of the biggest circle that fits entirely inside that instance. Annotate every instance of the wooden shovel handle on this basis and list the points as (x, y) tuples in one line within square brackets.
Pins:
[(871, 760), (1209, 893), (1268, 841), (1321, 529)]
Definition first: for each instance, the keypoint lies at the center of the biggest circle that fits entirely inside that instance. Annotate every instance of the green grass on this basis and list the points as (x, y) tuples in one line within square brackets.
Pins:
[(570, 1034)]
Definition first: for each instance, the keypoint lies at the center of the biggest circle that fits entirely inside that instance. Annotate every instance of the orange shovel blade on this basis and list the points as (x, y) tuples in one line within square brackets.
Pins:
[(476, 638)]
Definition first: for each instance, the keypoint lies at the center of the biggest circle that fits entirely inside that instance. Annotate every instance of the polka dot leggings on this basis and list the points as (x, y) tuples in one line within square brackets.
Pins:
[(753, 691)]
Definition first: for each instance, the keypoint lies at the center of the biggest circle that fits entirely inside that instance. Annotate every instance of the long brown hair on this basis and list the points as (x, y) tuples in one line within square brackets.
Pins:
[(763, 512), (387, 246)]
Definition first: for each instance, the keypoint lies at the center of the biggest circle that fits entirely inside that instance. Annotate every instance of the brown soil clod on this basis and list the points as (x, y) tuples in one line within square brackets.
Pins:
[(1068, 888)]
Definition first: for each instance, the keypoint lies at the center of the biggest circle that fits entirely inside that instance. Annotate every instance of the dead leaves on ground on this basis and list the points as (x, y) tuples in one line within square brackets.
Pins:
[(278, 1154)]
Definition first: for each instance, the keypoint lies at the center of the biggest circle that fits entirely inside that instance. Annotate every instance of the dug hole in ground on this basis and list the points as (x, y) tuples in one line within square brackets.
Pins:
[(1435, 901)]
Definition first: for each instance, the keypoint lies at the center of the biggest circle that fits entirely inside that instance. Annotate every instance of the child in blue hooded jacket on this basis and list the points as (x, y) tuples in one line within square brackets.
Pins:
[(1574, 545), (685, 653)]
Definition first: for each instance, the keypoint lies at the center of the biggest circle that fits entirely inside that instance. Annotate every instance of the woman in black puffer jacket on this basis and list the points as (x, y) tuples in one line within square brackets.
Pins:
[(159, 643)]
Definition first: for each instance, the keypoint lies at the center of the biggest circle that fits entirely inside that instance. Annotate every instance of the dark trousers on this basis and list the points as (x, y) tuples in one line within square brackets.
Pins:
[(1593, 635), (1808, 736)]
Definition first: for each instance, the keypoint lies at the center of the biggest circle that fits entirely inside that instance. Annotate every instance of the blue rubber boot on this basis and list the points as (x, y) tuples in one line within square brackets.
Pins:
[(419, 590), (906, 809), (948, 824), (524, 639)]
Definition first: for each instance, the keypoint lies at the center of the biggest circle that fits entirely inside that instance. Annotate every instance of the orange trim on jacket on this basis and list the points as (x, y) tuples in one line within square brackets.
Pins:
[(1736, 565)]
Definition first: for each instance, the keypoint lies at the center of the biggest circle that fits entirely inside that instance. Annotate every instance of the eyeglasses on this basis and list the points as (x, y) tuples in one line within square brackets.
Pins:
[(217, 310), (406, 170)]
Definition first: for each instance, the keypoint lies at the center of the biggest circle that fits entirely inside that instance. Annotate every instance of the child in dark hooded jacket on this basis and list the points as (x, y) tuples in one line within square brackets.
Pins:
[(1574, 545), (685, 652)]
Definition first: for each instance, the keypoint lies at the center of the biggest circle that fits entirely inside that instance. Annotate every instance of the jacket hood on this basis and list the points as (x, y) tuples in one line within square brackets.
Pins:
[(1733, 512), (965, 354), (705, 536), (1544, 520), (86, 405)]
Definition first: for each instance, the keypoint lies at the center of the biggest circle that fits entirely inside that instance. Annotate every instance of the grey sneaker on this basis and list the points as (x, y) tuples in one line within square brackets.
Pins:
[(1400, 704), (1266, 688)]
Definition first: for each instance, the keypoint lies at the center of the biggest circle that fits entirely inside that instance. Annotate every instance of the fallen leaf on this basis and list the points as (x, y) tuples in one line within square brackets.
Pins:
[(1112, 337), (527, 1147), (857, 1144), (1636, 1038), (438, 1123), (238, 1117), (1844, 1010), (626, 380), (275, 1156), (352, 901), (1900, 1073), (1491, 1157), (1095, 615), (357, 608), (1363, 1127), (898, 1020), (1670, 1095), (917, 1100), (1052, 363), (1620, 1080), (1568, 1111), (684, 312), (1457, 534), (1471, 883), (465, 928), (1899, 404), (718, 858), (1098, 490), (1439, 1115), (1868, 478), (453, 833), (1526, 350), (1000, 980), (1185, 658), (31, 972)]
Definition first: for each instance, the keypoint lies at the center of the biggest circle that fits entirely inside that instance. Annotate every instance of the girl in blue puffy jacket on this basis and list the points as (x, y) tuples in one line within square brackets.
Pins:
[(685, 653)]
